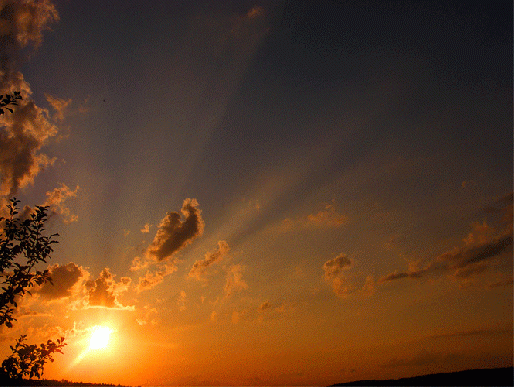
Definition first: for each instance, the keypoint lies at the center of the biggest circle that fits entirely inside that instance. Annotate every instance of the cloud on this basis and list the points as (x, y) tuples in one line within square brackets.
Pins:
[(55, 200), (104, 291), (65, 281), (199, 267), (472, 258), (181, 301), (174, 234), (265, 305), (481, 247), (326, 218), (152, 279), (334, 267), (335, 273), (59, 105), (234, 280), (23, 133), (146, 228)]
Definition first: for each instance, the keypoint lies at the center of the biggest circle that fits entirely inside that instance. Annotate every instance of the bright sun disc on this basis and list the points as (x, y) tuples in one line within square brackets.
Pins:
[(99, 338)]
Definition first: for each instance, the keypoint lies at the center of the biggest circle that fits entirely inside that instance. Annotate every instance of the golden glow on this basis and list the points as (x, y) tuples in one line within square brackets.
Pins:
[(99, 337)]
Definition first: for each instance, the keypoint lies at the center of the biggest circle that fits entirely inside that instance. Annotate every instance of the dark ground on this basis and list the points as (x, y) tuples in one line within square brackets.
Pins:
[(481, 377)]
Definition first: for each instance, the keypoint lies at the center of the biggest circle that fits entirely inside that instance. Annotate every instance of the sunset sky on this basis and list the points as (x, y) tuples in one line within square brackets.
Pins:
[(258, 192)]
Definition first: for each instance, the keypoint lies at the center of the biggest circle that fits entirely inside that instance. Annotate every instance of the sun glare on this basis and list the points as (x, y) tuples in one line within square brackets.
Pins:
[(99, 337)]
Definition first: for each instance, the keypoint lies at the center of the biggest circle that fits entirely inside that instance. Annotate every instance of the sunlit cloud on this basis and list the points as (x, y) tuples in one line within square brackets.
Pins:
[(234, 280), (336, 274), (200, 266), (104, 291), (59, 105), (146, 228), (155, 277), (26, 130), (55, 200), (326, 218)]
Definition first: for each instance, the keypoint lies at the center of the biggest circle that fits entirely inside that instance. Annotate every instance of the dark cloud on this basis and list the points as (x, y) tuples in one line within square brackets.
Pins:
[(265, 305), (461, 262), (482, 245), (103, 291), (64, 281), (174, 234), (200, 266)]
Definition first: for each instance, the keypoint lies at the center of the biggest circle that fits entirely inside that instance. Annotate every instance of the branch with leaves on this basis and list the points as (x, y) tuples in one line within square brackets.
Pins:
[(29, 360), (9, 99), (23, 245)]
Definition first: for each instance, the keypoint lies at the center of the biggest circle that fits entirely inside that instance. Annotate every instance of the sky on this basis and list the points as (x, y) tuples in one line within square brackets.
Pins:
[(257, 192)]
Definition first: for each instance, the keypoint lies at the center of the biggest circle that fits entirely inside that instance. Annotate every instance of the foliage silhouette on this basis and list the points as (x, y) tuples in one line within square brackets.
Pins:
[(29, 360), (9, 99), (23, 245)]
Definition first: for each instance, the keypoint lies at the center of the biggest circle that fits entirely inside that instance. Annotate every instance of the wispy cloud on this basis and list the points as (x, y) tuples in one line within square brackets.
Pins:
[(234, 280), (480, 247), (59, 105), (155, 277), (200, 266), (55, 200), (326, 218)]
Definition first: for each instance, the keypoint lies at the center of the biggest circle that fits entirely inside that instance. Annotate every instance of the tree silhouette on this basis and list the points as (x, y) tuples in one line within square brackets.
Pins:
[(9, 99), (23, 246)]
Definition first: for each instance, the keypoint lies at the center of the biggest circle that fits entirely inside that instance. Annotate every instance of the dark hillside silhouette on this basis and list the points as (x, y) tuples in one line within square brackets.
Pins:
[(480, 377)]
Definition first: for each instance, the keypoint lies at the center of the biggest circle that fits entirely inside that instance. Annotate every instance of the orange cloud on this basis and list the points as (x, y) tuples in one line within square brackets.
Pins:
[(199, 267), (326, 218), (152, 279), (234, 280), (104, 291), (59, 105)]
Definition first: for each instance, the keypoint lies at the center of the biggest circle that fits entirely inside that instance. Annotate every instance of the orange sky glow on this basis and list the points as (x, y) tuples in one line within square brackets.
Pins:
[(263, 192)]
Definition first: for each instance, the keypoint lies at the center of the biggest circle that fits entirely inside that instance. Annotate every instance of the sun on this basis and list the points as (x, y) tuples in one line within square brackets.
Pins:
[(99, 337)]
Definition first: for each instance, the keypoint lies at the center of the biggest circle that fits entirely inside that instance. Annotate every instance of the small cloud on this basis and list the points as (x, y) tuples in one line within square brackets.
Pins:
[(255, 12), (333, 267), (265, 305), (181, 301), (326, 218), (174, 233), (146, 228), (59, 105), (199, 267), (55, 200), (234, 280), (154, 278)]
